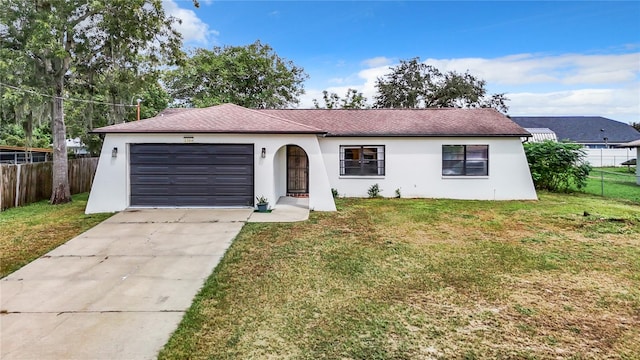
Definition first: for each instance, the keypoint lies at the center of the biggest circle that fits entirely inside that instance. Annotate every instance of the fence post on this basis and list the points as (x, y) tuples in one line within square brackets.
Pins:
[(17, 201)]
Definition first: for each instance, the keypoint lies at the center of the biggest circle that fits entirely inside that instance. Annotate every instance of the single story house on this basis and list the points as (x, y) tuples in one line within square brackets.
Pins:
[(593, 132), (598, 135), (227, 155), (77, 147)]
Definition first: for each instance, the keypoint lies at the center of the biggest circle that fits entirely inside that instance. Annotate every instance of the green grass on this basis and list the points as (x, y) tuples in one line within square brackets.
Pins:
[(411, 279), (619, 183), (31, 231)]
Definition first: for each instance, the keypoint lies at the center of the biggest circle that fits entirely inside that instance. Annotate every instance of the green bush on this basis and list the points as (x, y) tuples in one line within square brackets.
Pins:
[(557, 166), (374, 191)]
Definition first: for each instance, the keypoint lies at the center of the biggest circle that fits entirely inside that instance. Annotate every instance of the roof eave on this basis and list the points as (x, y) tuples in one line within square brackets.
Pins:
[(97, 131), (426, 135)]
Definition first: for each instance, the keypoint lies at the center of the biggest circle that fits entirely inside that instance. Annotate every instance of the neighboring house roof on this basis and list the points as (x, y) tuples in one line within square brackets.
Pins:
[(230, 118), (635, 143), (23, 149), (226, 118), (542, 134), (581, 129)]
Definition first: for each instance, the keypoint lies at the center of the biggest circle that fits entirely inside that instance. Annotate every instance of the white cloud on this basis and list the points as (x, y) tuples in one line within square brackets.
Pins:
[(377, 61), (534, 68), (336, 80), (536, 84), (363, 82), (622, 104), (193, 29)]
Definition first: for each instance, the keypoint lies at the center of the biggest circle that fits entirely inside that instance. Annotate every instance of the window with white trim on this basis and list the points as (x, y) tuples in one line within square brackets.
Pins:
[(365, 160), (465, 160)]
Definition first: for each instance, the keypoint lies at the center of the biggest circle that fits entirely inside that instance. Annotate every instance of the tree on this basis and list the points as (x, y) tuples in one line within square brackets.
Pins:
[(557, 166), (413, 84), (636, 125), (252, 76), (19, 135), (82, 117), (21, 111), (352, 100), (59, 40)]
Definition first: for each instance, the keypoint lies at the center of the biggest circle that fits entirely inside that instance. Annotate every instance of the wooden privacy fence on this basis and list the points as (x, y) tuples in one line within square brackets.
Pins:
[(27, 183)]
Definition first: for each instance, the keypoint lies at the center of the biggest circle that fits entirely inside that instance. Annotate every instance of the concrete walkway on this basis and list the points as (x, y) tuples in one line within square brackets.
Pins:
[(117, 291), (286, 209)]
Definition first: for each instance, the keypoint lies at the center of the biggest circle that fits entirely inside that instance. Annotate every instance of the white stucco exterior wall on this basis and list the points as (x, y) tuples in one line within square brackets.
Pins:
[(320, 197), (110, 191), (414, 165)]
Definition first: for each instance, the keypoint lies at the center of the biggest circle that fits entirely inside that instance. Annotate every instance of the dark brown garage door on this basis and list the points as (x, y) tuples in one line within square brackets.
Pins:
[(191, 174)]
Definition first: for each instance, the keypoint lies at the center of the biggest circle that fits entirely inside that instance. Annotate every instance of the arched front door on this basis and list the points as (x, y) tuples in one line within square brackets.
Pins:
[(297, 171)]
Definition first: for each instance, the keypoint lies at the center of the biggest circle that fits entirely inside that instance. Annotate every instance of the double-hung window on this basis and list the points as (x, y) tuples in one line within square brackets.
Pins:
[(362, 160), (465, 160)]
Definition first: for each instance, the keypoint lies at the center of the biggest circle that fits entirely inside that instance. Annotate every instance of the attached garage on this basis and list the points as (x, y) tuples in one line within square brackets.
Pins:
[(191, 174)]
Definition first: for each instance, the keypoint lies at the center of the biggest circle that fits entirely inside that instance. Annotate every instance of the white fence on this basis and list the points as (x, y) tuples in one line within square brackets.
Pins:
[(609, 157)]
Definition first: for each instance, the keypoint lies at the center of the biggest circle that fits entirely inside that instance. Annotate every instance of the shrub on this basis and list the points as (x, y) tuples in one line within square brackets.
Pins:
[(374, 191), (398, 194), (334, 192), (556, 166)]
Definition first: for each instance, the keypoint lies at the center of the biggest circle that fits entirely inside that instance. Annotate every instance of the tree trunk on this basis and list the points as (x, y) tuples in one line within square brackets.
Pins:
[(60, 190)]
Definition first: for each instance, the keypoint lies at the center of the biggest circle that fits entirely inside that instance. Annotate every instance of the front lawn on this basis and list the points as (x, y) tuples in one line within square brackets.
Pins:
[(421, 279), (31, 231)]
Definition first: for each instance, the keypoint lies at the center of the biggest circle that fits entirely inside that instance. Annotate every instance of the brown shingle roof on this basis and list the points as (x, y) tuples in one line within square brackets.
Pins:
[(230, 118), (226, 118), (405, 122)]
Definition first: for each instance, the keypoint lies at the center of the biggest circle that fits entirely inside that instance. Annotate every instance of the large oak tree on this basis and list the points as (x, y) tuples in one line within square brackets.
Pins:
[(252, 76), (67, 40), (414, 84)]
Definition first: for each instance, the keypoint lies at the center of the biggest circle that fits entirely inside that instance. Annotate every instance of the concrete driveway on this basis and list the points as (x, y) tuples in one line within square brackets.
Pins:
[(117, 291)]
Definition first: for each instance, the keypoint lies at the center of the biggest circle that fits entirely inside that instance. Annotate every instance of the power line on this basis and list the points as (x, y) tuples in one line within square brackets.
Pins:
[(63, 99)]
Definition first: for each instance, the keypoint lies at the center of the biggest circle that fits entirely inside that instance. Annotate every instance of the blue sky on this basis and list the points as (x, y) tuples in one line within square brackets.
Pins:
[(551, 58)]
